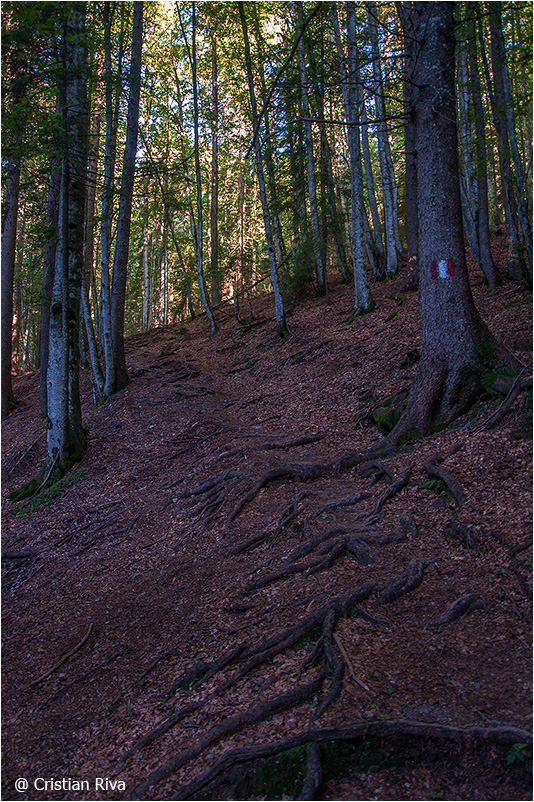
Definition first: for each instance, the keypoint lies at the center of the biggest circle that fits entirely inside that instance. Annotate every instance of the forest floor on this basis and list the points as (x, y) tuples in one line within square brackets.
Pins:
[(153, 560)]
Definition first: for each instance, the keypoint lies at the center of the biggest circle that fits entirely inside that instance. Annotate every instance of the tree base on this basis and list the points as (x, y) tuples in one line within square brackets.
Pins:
[(446, 386)]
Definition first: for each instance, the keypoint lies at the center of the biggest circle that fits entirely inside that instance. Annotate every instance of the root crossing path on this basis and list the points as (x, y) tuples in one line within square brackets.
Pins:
[(239, 571)]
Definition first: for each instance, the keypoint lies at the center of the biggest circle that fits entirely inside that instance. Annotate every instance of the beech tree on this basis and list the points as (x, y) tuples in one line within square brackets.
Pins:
[(456, 346), (65, 435)]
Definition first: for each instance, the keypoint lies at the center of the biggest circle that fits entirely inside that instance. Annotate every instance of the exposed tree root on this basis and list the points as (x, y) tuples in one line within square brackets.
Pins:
[(460, 532), (518, 386), (64, 658), (328, 555), (388, 493), (83, 677), (473, 601), (410, 579), (253, 714), (436, 470), (253, 656), (205, 499), (506, 736), (368, 414), (314, 773), (192, 391), (302, 471), (343, 502), (299, 441), (288, 515), (376, 469)]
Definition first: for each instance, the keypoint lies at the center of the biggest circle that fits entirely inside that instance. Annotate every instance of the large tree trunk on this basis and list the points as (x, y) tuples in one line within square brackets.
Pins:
[(122, 244), (456, 344), (65, 434)]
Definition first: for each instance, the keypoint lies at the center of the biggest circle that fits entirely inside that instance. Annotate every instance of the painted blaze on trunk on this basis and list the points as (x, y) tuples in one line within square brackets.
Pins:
[(456, 345)]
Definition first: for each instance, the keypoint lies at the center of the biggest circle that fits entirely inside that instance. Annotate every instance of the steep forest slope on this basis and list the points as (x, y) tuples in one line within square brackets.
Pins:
[(217, 580)]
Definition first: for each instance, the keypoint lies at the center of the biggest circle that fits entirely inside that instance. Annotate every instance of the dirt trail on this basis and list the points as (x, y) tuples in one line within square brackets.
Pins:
[(185, 539)]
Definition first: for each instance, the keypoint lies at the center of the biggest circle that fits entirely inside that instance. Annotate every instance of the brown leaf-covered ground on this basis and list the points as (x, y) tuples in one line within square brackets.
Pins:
[(127, 554)]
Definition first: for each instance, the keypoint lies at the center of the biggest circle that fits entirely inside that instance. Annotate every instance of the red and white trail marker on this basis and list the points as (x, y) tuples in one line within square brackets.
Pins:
[(444, 268)]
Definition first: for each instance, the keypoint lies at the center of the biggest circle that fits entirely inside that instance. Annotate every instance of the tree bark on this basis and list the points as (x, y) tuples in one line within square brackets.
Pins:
[(499, 59), (106, 215), (310, 168), (9, 242), (405, 11), (65, 434), (279, 307), (122, 243), (363, 300), (385, 160), (89, 254), (49, 259), (486, 259), (198, 176), (214, 206), (456, 345), (516, 261)]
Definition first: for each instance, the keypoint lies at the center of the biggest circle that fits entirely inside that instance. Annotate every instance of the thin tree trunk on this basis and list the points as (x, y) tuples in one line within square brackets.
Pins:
[(370, 183), (486, 260), (363, 301), (516, 261), (503, 99), (122, 242), (279, 307), (467, 154), (198, 176), (146, 284), (385, 160), (270, 137), (214, 207), (310, 168), (406, 11), (49, 258), (9, 243), (106, 215), (332, 206), (89, 254), (163, 275)]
